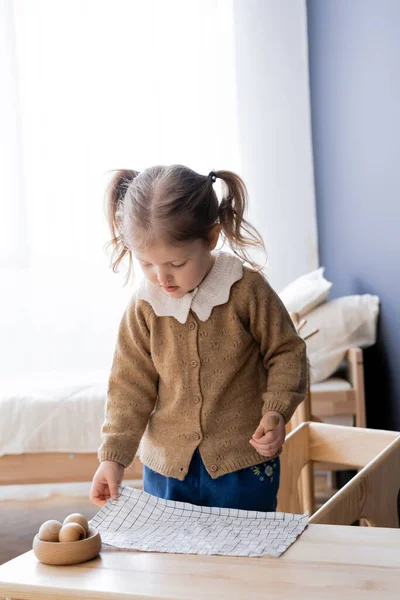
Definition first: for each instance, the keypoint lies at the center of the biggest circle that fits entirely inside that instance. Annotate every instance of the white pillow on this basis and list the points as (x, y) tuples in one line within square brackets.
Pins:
[(306, 292), (344, 323)]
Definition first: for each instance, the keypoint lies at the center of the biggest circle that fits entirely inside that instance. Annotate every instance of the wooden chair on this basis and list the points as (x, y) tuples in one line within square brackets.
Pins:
[(340, 400), (305, 482), (339, 395), (371, 496), (342, 396)]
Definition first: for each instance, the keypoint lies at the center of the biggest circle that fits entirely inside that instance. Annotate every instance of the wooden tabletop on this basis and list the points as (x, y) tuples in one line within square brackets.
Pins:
[(341, 563)]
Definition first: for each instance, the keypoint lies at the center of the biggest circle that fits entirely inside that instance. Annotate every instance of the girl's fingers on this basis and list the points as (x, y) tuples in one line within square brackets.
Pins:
[(268, 438), (266, 441), (99, 500), (100, 503), (99, 493), (259, 432), (276, 445), (114, 490), (266, 449)]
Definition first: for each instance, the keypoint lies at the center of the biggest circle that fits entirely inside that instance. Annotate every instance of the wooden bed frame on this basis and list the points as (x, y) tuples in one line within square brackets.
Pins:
[(344, 402), (54, 467), (62, 467)]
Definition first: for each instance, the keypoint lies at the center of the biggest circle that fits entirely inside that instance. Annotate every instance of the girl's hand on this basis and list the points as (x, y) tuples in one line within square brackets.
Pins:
[(268, 438), (105, 482)]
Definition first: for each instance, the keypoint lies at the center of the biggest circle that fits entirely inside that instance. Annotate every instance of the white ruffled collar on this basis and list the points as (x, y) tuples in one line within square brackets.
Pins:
[(213, 291)]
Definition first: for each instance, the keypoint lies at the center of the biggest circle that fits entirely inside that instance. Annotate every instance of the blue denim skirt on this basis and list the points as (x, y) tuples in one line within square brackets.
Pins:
[(253, 488)]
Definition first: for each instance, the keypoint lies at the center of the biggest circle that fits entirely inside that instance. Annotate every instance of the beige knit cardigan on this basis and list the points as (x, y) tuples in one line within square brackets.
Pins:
[(176, 387)]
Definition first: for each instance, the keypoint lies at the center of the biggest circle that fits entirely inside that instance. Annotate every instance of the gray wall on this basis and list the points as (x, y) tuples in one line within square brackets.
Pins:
[(354, 52)]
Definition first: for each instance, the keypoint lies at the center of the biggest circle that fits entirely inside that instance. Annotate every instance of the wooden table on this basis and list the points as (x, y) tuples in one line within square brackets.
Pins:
[(341, 563)]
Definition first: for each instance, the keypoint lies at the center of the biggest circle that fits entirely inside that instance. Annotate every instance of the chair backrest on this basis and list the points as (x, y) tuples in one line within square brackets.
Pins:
[(372, 495), (302, 413), (295, 456)]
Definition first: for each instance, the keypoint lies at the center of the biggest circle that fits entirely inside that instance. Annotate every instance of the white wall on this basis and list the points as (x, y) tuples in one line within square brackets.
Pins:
[(274, 131)]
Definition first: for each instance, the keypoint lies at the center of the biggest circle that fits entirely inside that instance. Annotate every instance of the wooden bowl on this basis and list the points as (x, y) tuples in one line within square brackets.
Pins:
[(67, 553)]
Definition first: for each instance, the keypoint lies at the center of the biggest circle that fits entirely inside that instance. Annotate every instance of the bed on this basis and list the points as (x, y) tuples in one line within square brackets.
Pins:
[(50, 428)]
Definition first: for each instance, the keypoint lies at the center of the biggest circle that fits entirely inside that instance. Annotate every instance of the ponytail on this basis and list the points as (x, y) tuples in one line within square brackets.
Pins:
[(114, 200), (239, 233), (176, 204)]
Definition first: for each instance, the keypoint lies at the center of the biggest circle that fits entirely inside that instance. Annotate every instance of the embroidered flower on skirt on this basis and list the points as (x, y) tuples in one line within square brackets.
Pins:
[(265, 471)]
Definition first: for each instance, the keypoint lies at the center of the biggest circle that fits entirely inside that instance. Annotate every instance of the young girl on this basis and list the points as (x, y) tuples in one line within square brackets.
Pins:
[(206, 351)]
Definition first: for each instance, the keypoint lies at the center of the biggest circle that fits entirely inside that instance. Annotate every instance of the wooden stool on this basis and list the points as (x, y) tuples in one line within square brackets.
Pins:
[(371, 496)]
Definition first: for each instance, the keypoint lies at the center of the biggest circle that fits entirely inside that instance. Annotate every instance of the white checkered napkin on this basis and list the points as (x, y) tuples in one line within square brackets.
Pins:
[(139, 521)]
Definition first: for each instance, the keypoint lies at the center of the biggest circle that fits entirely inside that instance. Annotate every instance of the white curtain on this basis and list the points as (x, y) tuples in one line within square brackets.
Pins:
[(92, 85), (89, 86), (275, 131)]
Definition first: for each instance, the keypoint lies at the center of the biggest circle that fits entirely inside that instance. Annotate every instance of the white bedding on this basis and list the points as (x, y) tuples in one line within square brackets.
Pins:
[(51, 412), (333, 384)]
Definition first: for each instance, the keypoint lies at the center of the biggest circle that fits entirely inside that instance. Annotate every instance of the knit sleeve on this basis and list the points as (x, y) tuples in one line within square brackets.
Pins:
[(283, 350), (132, 389)]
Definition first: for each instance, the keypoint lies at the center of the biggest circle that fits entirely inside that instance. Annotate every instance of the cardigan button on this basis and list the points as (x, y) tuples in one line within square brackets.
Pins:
[(214, 468), (194, 363), (196, 399), (192, 325), (197, 436)]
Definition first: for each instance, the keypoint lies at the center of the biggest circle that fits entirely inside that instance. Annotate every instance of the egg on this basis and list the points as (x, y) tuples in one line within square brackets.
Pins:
[(77, 518), (71, 532), (49, 531)]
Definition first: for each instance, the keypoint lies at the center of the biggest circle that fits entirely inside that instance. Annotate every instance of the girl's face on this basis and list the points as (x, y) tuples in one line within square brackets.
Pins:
[(178, 269)]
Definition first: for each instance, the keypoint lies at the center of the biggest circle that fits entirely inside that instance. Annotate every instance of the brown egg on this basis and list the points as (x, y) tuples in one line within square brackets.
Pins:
[(71, 532), (77, 518), (49, 531)]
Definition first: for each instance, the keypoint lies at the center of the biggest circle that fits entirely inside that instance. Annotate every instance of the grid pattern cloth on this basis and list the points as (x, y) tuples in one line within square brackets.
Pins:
[(139, 521)]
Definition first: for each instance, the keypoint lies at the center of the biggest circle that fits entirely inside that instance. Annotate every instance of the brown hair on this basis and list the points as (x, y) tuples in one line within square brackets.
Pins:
[(176, 204)]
